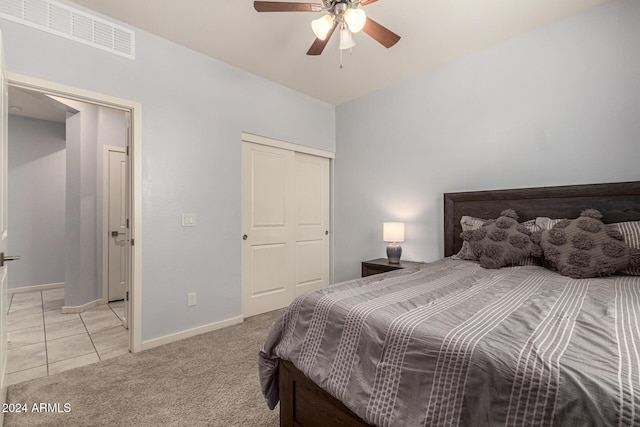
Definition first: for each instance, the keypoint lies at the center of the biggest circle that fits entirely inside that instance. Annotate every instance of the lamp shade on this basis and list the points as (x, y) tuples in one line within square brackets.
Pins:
[(393, 232), (346, 39), (355, 19), (322, 26)]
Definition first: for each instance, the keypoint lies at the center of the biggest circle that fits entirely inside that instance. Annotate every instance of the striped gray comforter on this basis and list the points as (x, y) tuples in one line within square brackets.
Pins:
[(450, 343)]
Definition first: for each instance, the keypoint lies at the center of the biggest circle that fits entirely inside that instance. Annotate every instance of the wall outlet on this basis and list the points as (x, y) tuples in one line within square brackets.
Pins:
[(191, 299), (189, 220)]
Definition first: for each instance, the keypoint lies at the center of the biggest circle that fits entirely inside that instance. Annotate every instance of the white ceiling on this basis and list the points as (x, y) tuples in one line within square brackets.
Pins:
[(274, 45), (35, 105)]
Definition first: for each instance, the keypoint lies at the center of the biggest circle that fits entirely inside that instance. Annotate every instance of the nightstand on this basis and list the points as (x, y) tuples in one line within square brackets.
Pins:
[(382, 265)]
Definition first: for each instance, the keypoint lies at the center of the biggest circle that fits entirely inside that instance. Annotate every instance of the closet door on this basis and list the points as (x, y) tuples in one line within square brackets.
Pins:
[(267, 224), (311, 222), (285, 226)]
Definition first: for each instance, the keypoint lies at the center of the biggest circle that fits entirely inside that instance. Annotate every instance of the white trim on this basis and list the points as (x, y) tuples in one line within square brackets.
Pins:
[(135, 230), (191, 332), (135, 161), (3, 397), (332, 240), (105, 218), (257, 139), (77, 94), (67, 309), (4, 171), (35, 288)]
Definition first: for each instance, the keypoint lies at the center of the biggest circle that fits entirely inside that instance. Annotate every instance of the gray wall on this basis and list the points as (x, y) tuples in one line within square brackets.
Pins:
[(194, 109), (74, 218), (37, 157), (87, 132), (56, 205), (560, 105)]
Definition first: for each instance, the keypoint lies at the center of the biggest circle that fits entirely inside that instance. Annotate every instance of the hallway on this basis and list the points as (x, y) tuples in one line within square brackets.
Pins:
[(43, 341)]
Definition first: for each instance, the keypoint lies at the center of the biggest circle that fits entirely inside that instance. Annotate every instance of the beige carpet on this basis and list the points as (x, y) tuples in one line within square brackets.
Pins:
[(207, 380)]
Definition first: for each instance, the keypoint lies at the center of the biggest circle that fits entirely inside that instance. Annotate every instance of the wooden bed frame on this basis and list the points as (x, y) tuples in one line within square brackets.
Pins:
[(304, 404)]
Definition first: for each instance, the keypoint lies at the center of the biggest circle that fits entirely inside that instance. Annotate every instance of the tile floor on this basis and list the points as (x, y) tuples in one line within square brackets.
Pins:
[(43, 341)]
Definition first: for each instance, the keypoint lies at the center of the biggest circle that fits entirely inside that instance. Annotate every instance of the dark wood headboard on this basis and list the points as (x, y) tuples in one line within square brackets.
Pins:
[(617, 201)]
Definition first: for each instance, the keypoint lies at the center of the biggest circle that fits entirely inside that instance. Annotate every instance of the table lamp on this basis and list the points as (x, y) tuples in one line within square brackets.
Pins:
[(393, 232)]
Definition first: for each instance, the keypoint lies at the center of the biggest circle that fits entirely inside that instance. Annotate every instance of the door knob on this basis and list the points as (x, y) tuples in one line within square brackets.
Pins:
[(4, 258), (245, 237), (116, 233)]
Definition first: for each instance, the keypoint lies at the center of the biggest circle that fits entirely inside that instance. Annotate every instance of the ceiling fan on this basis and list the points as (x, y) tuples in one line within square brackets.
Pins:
[(345, 14)]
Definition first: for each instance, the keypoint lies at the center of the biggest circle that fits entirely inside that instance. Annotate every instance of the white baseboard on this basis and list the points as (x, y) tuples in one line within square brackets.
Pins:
[(146, 345), (67, 309), (35, 288)]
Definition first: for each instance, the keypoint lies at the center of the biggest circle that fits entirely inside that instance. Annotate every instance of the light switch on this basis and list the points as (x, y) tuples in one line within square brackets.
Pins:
[(189, 220), (191, 299)]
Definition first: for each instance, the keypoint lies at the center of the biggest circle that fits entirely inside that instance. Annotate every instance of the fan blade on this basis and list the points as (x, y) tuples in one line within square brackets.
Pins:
[(366, 2), (318, 45), (382, 35), (283, 6)]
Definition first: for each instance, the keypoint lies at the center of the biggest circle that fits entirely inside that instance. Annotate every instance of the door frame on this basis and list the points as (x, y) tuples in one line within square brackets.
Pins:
[(135, 181), (105, 218), (263, 140)]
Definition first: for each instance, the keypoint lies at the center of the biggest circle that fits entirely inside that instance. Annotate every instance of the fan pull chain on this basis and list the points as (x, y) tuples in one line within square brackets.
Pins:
[(350, 53)]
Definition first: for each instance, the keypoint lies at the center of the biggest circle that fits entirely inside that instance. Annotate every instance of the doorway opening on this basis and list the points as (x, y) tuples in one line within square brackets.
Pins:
[(104, 108)]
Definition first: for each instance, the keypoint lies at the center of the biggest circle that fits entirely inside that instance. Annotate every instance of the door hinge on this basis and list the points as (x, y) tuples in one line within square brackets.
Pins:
[(127, 222), (132, 242), (127, 296), (127, 150)]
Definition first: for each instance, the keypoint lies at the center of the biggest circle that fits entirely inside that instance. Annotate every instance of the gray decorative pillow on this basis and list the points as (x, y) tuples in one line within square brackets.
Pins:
[(501, 242), (469, 223), (585, 247), (546, 223), (536, 255), (630, 231)]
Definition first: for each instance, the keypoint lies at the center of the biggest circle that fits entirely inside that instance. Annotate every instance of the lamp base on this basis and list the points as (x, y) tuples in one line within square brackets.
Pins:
[(394, 251)]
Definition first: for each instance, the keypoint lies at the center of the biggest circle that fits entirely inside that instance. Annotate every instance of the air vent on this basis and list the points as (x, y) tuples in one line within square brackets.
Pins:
[(71, 23)]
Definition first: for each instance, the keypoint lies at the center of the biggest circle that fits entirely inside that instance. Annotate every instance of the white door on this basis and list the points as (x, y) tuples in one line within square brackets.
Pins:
[(117, 210), (311, 203), (267, 220), (3, 216), (285, 218)]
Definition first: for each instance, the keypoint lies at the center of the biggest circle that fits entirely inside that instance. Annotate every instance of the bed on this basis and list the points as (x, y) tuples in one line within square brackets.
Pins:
[(470, 346)]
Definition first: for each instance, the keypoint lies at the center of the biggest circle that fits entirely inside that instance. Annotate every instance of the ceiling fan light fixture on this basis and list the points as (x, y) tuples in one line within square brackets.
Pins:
[(322, 26), (345, 15), (346, 39), (355, 19)]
